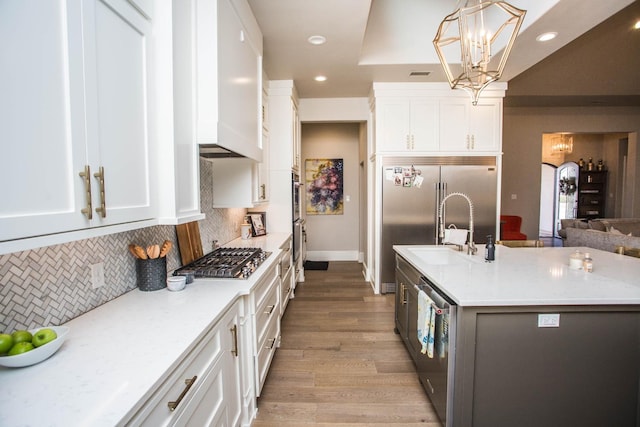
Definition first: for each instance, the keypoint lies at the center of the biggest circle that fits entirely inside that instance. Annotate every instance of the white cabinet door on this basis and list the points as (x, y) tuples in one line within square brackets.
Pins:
[(295, 129), (454, 128), (284, 126), (41, 126), (88, 109), (485, 125), (465, 127), (261, 173), (424, 125), (394, 124), (116, 42), (406, 124)]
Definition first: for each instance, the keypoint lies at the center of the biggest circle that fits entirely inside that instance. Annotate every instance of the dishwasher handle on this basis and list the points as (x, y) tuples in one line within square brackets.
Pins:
[(439, 310)]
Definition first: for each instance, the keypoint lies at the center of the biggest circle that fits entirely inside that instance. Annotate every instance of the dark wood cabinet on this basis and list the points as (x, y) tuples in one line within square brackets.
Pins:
[(592, 192)]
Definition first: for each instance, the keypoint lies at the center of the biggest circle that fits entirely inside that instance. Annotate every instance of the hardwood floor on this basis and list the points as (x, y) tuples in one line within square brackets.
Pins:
[(340, 363)]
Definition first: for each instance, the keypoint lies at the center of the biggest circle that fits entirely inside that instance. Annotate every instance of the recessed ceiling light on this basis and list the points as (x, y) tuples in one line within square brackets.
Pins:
[(637, 26), (545, 37), (320, 78), (317, 40)]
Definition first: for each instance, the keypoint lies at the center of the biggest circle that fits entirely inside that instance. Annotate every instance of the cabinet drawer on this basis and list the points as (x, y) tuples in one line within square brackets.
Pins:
[(286, 289), (266, 312), (198, 363), (266, 350), (265, 285)]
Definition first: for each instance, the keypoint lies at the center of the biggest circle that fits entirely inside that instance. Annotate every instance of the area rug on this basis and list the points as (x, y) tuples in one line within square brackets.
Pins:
[(316, 265)]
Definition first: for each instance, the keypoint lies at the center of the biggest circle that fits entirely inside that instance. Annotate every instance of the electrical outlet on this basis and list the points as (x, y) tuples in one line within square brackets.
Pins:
[(549, 320), (97, 275)]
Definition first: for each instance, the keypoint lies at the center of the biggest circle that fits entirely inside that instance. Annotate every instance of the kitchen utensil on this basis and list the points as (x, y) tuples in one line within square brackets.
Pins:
[(153, 251), (132, 249), (166, 247), (140, 253)]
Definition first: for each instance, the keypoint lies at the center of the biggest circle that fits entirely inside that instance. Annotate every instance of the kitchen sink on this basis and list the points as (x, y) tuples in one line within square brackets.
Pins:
[(443, 255)]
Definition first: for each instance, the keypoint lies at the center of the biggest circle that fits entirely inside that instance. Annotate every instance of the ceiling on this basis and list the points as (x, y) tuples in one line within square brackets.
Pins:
[(386, 40)]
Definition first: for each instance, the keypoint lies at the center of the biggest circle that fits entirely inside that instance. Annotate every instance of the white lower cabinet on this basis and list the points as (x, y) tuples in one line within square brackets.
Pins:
[(287, 282), (265, 301), (206, 388)]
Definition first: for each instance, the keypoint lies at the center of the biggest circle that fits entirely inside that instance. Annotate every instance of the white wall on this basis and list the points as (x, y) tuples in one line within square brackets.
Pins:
[(334, 109), (334, 237)]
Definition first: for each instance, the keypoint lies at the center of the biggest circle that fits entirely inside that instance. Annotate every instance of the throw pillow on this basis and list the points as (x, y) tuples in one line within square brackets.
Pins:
[(613, 230)]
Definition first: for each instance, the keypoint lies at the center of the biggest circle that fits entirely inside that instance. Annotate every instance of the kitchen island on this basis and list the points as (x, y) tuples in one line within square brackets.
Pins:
[(117, 357), (531, 341)]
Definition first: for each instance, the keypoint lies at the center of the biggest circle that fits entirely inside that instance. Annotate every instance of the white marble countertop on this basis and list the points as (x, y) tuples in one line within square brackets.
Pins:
[(530, 276), (115, 355)]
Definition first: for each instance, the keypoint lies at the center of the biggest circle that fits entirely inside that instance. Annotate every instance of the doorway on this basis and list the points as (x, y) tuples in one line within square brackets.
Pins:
[(566, 188), (547, 226)]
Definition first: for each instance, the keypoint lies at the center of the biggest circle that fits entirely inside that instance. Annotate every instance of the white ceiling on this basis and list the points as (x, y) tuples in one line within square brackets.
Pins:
[(385, 40)]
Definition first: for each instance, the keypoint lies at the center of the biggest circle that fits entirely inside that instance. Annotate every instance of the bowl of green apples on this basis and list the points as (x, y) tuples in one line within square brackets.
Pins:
[(27, 347)]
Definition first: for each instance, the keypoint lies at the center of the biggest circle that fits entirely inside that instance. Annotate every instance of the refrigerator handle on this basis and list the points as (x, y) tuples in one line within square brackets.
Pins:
[(437, 219)]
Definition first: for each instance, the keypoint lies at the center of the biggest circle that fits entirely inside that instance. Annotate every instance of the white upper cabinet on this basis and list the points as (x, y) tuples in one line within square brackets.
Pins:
[(407, 124), (75, 85), (228, 76), (468, 127), (432, 119), (284, 126)]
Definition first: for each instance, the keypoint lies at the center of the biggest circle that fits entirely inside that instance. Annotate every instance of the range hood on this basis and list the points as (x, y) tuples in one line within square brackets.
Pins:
[(215, 151)]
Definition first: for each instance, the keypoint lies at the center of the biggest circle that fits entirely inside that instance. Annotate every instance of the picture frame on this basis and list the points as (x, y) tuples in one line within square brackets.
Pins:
[(258, 223)]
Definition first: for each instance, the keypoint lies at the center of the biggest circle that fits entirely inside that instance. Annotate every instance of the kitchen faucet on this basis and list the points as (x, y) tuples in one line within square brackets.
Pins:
[(471, 248)]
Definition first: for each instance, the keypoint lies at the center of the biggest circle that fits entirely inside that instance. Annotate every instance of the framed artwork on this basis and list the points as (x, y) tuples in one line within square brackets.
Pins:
[(324, 192), (258, 227)]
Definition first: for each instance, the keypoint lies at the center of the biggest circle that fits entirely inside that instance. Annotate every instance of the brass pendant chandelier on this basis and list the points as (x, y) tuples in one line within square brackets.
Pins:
[(472, 33)]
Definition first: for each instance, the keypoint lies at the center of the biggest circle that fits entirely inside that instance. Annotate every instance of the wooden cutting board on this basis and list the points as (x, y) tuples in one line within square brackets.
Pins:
[(189, 242)]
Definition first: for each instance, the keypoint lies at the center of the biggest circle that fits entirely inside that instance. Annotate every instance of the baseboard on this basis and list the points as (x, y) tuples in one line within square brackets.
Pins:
[(332, 255)]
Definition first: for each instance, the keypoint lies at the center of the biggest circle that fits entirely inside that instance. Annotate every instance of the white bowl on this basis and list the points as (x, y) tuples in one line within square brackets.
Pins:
[(38, 354), (176, 283)]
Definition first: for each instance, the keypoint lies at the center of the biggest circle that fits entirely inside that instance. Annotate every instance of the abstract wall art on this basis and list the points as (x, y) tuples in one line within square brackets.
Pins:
[(324, 192)]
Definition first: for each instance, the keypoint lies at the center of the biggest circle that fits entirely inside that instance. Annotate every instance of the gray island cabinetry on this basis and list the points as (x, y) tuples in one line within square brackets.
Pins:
[(529, 341)]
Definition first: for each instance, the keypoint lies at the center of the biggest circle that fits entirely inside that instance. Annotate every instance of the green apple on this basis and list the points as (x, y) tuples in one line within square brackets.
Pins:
[(6, 342), (44, 336), (21, 347), (21, 336)]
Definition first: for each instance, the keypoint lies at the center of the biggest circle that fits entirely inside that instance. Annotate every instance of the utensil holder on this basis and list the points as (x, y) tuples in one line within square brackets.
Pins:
[(152, 274)]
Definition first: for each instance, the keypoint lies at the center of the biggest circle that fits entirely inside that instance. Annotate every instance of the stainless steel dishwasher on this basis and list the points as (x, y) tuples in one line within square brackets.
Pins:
[(435, 373)]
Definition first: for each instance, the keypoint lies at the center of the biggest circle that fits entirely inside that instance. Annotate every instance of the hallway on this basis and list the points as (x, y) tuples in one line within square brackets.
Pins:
[(340, 363)]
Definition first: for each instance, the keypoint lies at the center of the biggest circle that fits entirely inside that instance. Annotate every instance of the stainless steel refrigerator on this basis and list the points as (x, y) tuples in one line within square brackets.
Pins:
[(412, 190)]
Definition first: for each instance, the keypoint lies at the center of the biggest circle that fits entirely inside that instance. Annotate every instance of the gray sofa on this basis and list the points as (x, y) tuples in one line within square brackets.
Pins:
[(606, 234)]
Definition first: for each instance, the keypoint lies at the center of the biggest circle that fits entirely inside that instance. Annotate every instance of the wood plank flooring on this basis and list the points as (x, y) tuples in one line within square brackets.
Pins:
[(340, 363)]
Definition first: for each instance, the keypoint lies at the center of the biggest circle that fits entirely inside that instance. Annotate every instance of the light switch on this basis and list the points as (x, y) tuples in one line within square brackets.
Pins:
[(514, 197), (347, 198)]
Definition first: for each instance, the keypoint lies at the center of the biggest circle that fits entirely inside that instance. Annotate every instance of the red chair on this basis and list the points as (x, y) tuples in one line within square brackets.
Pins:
[(510, 228)]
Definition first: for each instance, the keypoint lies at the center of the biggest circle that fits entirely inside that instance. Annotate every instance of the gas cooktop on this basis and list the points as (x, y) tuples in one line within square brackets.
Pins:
[(226, 263)]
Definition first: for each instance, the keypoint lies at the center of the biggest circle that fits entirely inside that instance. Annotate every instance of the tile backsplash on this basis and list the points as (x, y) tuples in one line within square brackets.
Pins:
[(51, 285)]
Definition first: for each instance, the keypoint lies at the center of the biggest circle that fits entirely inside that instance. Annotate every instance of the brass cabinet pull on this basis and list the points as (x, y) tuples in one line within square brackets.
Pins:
[(404, 294), (189, 382), (102, 210), (263, 188), (271, 344), (270, 309), (86, 178), (234, 332)]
